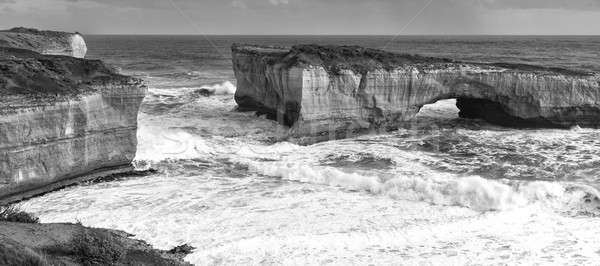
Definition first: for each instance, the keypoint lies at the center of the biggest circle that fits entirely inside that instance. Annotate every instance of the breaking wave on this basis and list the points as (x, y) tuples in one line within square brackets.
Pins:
[(473, 192), (218, 89)]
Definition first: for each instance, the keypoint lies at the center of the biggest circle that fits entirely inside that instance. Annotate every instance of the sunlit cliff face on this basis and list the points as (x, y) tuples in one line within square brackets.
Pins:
[(78, 46)]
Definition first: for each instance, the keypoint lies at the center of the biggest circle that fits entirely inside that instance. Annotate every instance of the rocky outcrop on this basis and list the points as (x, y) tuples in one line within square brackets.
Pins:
[(74, 244), (62, 120), (44, 42), (334, 92)]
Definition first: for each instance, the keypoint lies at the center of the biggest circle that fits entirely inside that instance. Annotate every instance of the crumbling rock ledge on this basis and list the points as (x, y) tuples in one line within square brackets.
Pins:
[(327, 92), (44, 42), (62, 120)]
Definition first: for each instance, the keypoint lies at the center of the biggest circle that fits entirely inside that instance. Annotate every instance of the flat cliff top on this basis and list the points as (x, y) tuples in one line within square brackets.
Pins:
[(361, 59), (32, 39), (29, 75)]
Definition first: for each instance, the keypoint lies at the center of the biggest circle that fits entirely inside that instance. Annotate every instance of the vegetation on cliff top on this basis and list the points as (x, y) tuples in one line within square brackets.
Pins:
[(356, 58), (33, 39), (27, 72), (15, 215), (362, 60), (23, 241), (47, 33), (336, 58)]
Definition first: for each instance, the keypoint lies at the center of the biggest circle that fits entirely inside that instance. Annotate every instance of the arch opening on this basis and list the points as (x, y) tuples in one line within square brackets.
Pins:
[(498, 114), (441, 109), (473, 108), (483, 109)]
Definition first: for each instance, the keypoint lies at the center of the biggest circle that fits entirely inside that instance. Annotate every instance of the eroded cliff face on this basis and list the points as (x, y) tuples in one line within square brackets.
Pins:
[(44, 42), (337, 92), (269, 88), (62, 119)]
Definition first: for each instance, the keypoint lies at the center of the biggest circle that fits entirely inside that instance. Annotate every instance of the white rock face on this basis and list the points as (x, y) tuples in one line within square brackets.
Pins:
[(63, 121), (49, 143), (78, 46), (318, 102)]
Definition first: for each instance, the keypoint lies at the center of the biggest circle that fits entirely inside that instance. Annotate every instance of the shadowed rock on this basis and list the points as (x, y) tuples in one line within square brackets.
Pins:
[(334, 92), (44, 42)]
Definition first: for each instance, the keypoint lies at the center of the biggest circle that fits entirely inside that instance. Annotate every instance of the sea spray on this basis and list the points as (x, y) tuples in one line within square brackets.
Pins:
[(439, 188), (218, 89), (472, 192)]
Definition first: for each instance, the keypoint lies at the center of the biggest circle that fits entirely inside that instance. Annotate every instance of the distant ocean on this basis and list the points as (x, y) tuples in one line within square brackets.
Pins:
[(443, 190)]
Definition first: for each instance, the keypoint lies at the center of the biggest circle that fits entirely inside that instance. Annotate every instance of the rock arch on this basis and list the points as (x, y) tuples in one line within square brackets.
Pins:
[(322, 90)]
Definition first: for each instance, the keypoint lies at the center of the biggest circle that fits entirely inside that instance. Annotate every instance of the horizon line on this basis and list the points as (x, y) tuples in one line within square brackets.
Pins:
[(212, 34)]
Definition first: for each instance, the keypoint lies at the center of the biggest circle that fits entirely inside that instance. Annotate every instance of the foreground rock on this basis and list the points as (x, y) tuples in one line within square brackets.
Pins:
[(328, 92), (44, 42), (62, 120), (72, 244)]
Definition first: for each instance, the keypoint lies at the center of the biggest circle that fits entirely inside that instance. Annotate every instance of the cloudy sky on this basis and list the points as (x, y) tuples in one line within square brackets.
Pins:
[(306, 16)]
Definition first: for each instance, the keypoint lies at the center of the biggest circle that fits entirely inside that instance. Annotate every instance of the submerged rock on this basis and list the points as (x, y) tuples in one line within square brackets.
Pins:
[(327, 92), (44, 42), (62, 120)]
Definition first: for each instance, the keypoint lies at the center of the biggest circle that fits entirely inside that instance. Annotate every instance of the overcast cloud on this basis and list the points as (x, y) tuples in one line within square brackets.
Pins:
[(306, 16)]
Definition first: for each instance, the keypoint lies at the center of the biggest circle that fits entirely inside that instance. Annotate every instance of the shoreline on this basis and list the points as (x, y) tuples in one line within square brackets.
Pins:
[(100, 174)]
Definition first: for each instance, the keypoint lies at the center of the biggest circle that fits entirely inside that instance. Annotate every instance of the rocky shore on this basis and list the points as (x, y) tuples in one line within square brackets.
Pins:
[(326, 92)]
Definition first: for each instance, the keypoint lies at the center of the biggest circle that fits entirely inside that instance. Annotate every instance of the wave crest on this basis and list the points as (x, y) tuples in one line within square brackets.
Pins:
[(473, 192), (223, 88)]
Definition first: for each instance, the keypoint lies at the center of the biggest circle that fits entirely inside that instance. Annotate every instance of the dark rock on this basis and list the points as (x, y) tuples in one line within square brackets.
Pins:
[(73, 244)]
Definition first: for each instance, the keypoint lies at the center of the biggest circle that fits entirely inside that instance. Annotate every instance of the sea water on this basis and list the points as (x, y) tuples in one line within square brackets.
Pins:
[(442, 190)]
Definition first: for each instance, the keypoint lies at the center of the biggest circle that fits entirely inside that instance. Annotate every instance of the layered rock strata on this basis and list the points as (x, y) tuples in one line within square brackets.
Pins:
[(62, 120), (45, 42), (334, 92)]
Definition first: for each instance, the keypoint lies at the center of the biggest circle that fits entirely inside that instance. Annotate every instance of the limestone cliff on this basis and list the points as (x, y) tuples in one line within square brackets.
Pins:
[(62, 119), (334, 92), (44, 42)]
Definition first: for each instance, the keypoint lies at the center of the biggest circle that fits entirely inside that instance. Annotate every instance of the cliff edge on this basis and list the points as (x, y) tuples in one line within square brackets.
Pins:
[(62, 120), (332, 92), (44, 42)]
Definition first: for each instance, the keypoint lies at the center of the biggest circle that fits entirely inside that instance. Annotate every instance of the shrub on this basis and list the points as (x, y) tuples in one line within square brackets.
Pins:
[(183, 249), (97, 248), (15, 215)]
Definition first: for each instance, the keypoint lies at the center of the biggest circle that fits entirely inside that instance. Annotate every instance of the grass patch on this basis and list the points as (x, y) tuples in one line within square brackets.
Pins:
[(13, 253), (15, 215)]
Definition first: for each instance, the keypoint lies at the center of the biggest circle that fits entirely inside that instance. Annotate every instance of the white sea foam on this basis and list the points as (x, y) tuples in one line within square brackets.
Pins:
[(439, 188), (473, 192), (161, 144), (220, 89)]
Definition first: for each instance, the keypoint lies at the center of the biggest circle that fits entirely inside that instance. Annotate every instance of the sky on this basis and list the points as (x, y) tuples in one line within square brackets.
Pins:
[(344, 17)]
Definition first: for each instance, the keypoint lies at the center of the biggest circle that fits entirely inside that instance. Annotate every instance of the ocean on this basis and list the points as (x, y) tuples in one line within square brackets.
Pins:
[(441, 190)]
